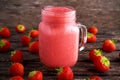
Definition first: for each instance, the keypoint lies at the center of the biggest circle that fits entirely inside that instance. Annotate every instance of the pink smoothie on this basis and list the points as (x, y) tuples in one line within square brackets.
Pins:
[(59, 37)]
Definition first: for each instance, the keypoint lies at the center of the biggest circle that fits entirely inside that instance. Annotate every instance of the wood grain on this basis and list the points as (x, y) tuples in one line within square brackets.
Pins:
[(104, 13)]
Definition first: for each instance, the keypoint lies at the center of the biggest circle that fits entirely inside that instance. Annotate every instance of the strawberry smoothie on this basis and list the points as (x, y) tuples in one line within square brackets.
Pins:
[(59, 37)]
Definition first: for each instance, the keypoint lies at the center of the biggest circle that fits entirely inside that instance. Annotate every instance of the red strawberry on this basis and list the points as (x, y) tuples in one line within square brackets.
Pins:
[(20, 28), (93, 54), (4, 45), (34, 33), (17, 69), (34, 47), (109, 45), (35, 75), (93, 30), (65, 73), (16, 78), (5, 32), (25, 40), (95, 78), (102, 64), (91, 37), (17, 56)]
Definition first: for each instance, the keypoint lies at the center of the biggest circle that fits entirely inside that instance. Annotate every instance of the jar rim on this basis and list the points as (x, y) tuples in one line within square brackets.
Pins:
[(69, 10)]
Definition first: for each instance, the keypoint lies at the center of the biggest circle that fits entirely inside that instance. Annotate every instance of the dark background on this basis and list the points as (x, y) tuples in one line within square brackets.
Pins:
[(101, 12)]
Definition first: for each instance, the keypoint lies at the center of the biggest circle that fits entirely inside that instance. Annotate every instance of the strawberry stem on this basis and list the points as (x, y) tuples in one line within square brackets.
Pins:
[(32, 29), (114, 41), (59, 70), (20, 27), (86, 79), (32, 73), (12, 53), (2, 43), (89, 34), (28, 35), (0, 29), (12, 63), (94, 25), (105, 61), (98, 52)]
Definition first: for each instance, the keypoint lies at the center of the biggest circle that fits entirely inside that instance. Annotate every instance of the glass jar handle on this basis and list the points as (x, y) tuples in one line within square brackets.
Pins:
[(82, 36)]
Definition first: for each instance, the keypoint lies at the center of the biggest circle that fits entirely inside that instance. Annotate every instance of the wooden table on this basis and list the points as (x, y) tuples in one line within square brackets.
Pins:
[(84, 67), (106, 16)]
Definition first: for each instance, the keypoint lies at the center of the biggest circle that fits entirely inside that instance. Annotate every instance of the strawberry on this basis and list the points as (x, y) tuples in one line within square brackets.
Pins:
[(102, 64), (25, 40), (20, 28), (35, 75), (34, 47), (4, 45), (93, 30), (17, 69), (109, 45), (16, 78), (93, 78), (65, 73), (5, 32), (93, 54), (16, 56), (91, 37), (34, 33)]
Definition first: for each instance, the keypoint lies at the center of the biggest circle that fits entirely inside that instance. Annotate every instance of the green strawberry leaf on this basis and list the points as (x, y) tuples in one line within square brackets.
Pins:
[(89, 34), (105, 61), (30, 43), (59, 70), (86, 79), (2, 43), (0, 29), (32, 73), (98, 52), (94, 25), (114, 41), (33, 29), (12, 53), (12, 63), (28, 35)]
